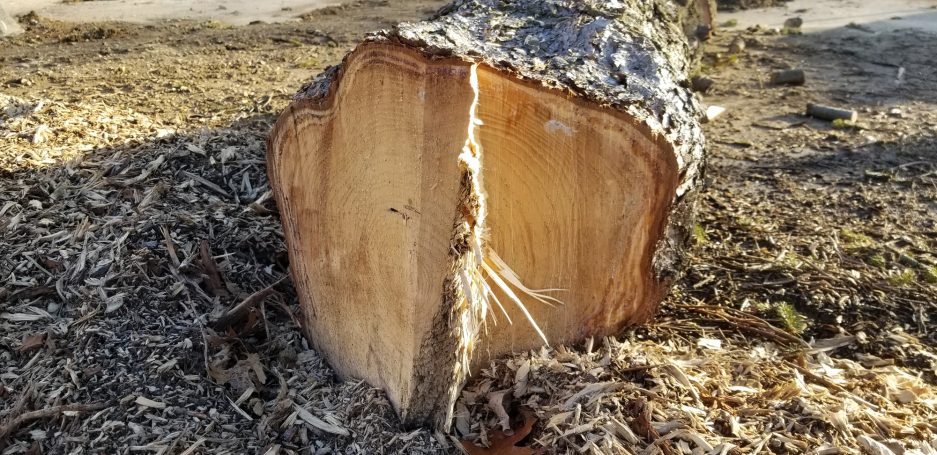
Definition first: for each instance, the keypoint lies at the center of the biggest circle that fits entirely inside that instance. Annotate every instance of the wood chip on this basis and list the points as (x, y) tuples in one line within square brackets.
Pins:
[(319, 424), (144, 401)]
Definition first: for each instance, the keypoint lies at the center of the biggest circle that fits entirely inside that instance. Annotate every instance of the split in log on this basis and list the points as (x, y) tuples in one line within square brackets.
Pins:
[(497, 177)]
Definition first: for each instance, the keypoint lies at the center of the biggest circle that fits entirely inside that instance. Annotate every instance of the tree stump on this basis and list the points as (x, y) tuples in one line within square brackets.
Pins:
[(503, 175)]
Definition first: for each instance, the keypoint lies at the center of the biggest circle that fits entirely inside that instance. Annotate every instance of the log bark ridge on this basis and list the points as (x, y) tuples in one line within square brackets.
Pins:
[(593, 80)]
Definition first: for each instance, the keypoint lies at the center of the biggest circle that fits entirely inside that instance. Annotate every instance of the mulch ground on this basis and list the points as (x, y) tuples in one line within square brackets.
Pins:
[(135, 212)]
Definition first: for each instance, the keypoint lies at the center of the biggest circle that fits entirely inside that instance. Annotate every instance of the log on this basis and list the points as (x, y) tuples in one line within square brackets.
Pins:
[(831, 113), (500, 176), (793, 76)]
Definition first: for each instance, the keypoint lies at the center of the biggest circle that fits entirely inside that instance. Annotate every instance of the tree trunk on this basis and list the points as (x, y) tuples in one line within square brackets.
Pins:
[(448, 169)]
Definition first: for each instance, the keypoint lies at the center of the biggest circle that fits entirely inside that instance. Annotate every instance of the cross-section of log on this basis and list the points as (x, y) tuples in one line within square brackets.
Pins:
[(504, 175)]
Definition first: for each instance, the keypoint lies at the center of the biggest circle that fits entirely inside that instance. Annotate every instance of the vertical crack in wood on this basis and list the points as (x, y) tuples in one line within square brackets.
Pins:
[(467, 296), (465, 290), (480, 262), (473, 307), (451, 340)]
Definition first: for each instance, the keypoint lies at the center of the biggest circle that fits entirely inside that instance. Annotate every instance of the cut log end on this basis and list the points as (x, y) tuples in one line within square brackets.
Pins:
[(440, 212), (386, 216)]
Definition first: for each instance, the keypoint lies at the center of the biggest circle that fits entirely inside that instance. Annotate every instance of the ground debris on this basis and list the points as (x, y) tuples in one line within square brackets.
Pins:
[(135, 210), (742, 395)]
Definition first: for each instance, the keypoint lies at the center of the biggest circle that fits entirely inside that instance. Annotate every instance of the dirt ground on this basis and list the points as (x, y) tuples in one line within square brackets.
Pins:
[(134, 210), (234, 12)]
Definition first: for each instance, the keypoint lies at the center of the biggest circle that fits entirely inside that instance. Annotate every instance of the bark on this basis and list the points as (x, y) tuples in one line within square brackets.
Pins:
[(397, 222)]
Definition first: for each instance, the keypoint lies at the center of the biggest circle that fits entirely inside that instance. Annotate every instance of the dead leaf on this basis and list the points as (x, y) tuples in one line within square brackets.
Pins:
[(32, 342), (504, 444), (495, 399), (239, 376)]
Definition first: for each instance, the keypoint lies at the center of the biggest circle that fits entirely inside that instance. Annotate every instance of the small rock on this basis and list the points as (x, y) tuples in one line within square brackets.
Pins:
[(23, 82), (713, 111), (753, 42), (895, 112), (737, 45), (701, 84), (794, 22)]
